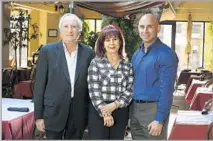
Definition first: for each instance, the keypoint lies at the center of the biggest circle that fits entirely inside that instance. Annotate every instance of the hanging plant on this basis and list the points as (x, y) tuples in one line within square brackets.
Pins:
[(35, 33)]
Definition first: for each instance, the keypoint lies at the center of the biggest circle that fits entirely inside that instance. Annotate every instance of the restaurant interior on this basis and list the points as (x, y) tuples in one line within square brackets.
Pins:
[(187, 27)]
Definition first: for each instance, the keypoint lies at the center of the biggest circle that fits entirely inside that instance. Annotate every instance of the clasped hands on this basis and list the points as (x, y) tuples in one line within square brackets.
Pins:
[(107, 113)]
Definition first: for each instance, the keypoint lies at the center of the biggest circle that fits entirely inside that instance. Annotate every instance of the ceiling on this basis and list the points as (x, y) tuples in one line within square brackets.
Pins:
[(174, 11), (119, 9), (179, 11)]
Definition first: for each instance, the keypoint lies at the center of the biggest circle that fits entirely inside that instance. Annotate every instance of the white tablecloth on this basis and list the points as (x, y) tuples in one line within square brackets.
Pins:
[(11, 102), (193, 117), (204, 90)]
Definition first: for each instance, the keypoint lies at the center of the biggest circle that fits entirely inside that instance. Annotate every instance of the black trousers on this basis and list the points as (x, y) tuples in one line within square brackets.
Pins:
[(70, 131), (96, 127)]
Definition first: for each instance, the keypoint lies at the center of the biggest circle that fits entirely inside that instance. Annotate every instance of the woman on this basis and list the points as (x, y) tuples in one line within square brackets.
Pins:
[(110, 81)]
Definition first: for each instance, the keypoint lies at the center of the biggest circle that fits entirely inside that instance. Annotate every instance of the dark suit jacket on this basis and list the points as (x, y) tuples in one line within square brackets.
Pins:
[(52, 91)]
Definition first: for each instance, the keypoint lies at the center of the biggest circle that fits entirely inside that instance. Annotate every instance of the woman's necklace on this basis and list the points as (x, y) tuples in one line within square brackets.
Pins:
[(114, 63)]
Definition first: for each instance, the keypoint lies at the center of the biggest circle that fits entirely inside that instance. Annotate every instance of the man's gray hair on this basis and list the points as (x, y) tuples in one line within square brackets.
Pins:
[(71, 16)]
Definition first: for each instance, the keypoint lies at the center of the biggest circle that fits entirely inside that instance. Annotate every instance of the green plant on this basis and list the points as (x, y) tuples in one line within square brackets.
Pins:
[(85, 31), (208, 58), (88, 38), (210, 27), (17, 35), (92, 39), (35, 33)]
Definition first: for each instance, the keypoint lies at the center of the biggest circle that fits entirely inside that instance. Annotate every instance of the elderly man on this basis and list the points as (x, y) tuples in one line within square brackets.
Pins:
[(61, 91), (155, 68)]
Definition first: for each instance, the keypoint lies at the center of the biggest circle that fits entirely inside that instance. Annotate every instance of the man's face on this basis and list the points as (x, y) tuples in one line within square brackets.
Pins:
[(69, 30), (148, 28)]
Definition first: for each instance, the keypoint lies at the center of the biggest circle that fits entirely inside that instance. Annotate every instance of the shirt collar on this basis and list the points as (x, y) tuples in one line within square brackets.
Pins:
[(65, 49), (152, 45)]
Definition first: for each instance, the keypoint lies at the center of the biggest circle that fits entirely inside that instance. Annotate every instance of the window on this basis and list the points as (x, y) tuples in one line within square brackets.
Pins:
[(194, 59), (94, 25), (180, 44), (196, 56), (98, 25), (19, 28), (165, 34), (179, 28), (208, 47), (91, 24), (196, 28)]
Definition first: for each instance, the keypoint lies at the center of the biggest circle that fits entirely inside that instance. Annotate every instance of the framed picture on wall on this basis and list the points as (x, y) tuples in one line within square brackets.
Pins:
[(52, 32)]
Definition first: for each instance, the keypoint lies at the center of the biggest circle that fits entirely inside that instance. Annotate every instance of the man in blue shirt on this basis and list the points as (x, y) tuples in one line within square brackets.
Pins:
[(155, 68)]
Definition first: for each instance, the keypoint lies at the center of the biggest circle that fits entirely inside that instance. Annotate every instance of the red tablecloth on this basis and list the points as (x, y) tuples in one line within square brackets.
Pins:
[(188, 130), (19, 128), (23, 89), (17, 125), (192, 77), (192, 89), (200, 98)]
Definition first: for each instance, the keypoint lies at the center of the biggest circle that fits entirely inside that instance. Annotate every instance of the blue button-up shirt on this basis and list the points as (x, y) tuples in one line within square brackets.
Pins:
[(154, 76)]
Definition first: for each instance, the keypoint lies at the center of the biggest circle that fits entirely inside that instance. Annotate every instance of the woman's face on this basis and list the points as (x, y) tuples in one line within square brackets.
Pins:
[(112, 44)]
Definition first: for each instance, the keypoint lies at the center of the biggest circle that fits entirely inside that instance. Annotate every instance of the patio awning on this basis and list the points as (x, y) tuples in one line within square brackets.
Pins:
[(118, 9)]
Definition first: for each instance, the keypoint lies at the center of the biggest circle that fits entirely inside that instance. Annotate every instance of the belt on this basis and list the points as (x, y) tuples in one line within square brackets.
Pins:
[(143, 101)]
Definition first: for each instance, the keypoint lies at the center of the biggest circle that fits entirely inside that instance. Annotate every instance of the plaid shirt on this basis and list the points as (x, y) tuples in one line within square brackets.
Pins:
[(107, 84)]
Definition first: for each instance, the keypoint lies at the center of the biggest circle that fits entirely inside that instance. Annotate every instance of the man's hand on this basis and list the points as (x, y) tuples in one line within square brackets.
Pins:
[(155, 128), (40, 125), (108, 108), (108, 121)]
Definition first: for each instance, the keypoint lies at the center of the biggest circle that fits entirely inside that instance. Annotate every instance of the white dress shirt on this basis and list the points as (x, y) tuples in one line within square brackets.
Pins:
[(71, 64)]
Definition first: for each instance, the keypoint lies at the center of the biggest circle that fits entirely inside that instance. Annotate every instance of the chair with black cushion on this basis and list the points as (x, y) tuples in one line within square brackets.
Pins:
[(207, 75), (182, 78), (7, 88), (208, 84)]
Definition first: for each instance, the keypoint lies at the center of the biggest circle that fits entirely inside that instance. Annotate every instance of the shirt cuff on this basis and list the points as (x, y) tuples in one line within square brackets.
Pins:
[(121, 103), (99, 108)]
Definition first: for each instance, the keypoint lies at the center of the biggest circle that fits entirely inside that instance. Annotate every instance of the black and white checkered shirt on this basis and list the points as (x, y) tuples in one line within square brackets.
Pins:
[(107, 84)]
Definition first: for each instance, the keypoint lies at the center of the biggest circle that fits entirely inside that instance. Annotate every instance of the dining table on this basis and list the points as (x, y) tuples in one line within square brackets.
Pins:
[(201, 96), (191, 125), (17, 125)]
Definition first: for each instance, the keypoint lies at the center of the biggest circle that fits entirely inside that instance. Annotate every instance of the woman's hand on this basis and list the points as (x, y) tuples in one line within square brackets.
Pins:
[(109, 108), (108, 121)]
